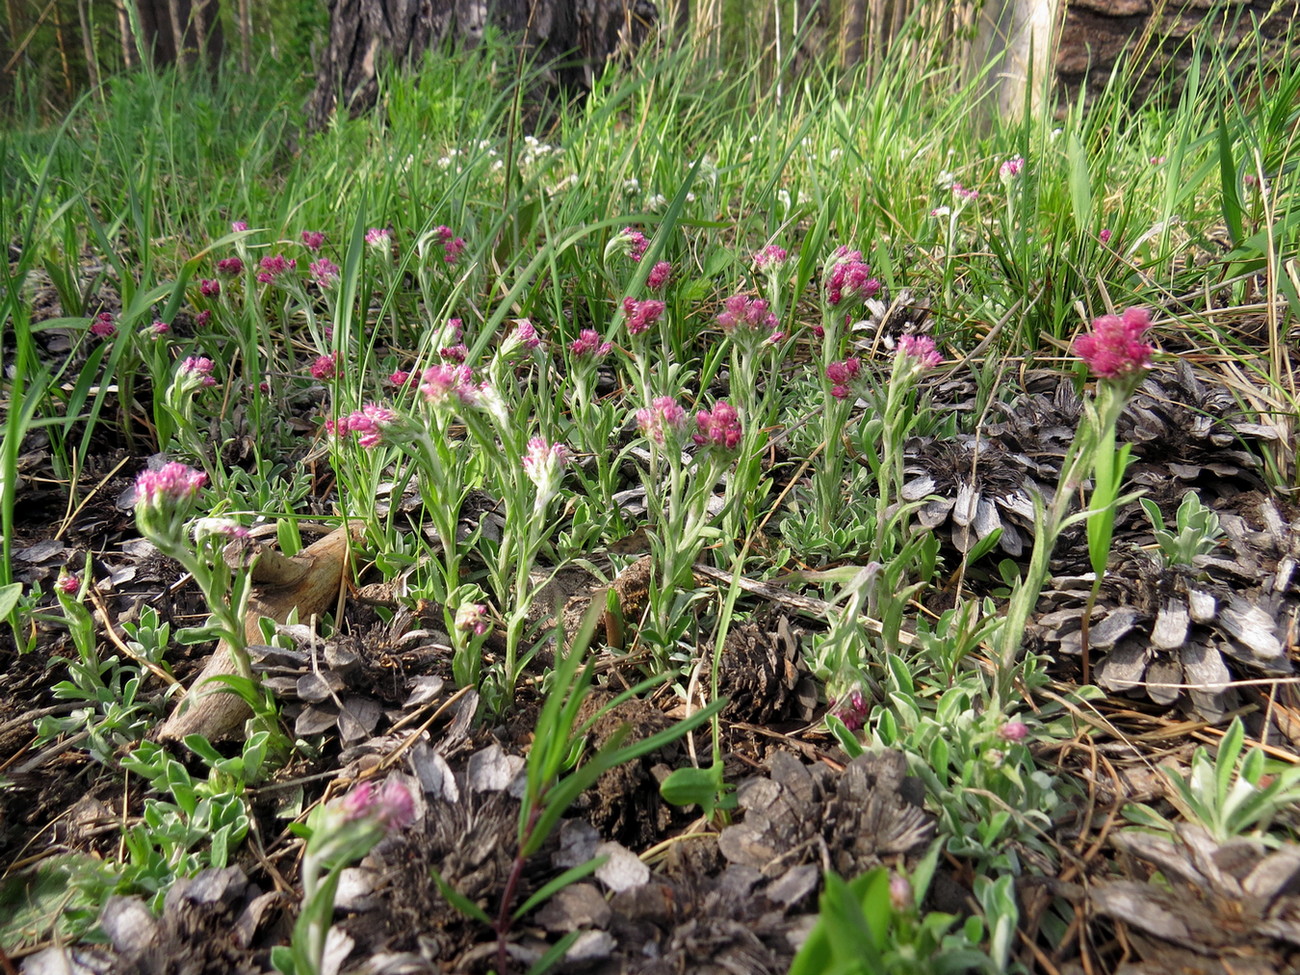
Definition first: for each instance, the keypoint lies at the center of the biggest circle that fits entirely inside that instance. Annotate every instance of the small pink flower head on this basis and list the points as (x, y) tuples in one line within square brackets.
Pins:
[(770, 260), (368, 423), (544, 464), (452, 246), (157, 329), (1157, 160), (523, 338), (1114, 347), (745, 318), (238, 226), (659, 275), (226, 528), (841, 374), (1105, 235), (210, 288), (472, 618), (589, 346), (313, 240), (325, 367), (1013, 731), (390, 806), (1011, 169), (69, 585), (920, 349), (629, 242), (273, 267), (171, 484), (230, 266), (440, 385), (324, 272), (103, 326), (642, 314), (853, 710), (662, 419), (197, 371), (719, 427), (454, 353), (963, 194), (202, 318), (848, 279), (901, 896), (380, 238), (399, 378)]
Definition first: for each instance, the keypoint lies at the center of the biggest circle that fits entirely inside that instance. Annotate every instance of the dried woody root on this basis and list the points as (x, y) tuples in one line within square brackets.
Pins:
[(309, 582)]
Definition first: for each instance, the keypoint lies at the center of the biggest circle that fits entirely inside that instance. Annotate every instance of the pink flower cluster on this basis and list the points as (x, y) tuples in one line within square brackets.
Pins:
[(544, 461), (751, 314), (230, 266), (200, 367), (642, 314), (457, 353), (771, 258), (662, 417), (313, 240), (1114, 346), (719, 427), (380, 238), (659, 275), (841, 374), (391, 806), (273, 267), (441, 384), (324, 272), (921, 349), (964, 194), (1013, 731), (589, 345), (209, 288), (472, 618), (368, 423), (523, 338), (849, 278), (325, 367), (103, 326), (853, 710), (636, 243), (171, 482), (1012, 168), (69, 585), (452, 246)]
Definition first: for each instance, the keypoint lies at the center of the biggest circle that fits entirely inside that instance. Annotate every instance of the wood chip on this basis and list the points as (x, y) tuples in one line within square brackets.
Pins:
[(1252, 626), (1170, 629), (1164, 672), (1203, 606), (1123, 667)]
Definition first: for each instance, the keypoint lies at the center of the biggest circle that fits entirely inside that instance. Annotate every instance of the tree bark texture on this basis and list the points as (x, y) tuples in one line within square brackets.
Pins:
[(367, 35), (190, 27), (1095, 35)]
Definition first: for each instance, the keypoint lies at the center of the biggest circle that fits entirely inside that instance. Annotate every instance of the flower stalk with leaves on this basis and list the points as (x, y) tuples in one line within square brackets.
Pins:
[(1114, 350)]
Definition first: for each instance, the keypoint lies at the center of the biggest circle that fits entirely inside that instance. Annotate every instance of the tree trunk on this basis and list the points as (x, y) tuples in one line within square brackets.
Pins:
[(191, 28), (855, 31), (367, 35)]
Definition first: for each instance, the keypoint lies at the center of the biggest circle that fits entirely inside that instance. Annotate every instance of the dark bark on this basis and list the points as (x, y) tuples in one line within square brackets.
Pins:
[(855, 31), (1096, 35), (192, 27), (366, 35)]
